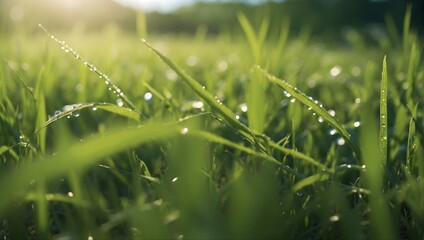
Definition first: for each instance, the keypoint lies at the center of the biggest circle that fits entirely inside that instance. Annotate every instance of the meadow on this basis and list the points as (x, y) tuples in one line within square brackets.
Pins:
[(264, 134)]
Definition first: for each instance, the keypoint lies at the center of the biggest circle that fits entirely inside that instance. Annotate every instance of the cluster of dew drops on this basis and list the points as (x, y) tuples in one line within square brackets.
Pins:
[(111, 87), (340, 140)]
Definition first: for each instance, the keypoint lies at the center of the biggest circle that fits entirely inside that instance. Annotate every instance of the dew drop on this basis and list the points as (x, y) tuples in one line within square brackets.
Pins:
[(76, 114), (332, 112), (335, 71), (238, 117), (363, 166), (334, 218), (320, 119), (357, 100), (148, 96), (119, 102), (70, 194), (184, 131), (94, 108), (56, 113), (333, 131), (90, 238), (341, 141), (243, 107), (293, 100), (197, 104), (174, 179), (357, 124)]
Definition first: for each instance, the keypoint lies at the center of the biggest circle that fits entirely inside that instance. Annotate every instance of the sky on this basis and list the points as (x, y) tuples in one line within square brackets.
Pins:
[(168, 5)]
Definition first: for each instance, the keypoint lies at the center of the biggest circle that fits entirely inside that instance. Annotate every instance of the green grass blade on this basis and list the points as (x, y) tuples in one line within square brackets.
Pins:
[(299, 155), (406, 27), (411, 141), (381, 221), (41, 112), (217, 139), (411, 72), (309, 181), (383, 113), (81, 155), (120, 94), (251, 37), (309, 102), (209, 99), (75, 108)]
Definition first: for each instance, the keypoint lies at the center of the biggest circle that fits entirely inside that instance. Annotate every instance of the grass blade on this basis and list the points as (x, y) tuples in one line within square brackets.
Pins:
[(81, 155), (309, 181), (383, 113), (209, 99), (73, 109), (116, 89), (309, 102), (251, 37)]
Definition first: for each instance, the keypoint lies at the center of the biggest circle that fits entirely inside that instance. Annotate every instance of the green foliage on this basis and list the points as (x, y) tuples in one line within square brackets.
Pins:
[(203, 146)]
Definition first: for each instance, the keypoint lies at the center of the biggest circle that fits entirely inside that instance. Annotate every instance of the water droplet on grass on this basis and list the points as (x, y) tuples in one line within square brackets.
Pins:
[(334, 218), (320, 119), (197, 104), (119, 102), (76, 114), (243, 107), (238, 117), (70, 194), (335, 71), (357, 124), (293, 100), (94, 108), (148, 96), (174, 179), (184, 131), (332, 112), (340, 141), (333, 131)]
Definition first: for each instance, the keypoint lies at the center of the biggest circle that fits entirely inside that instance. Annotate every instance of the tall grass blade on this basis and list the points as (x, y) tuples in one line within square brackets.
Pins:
[(406, 28), (41, 112), (257, 86), (209, 99), (71, 110), (380, 218), (411, 141), (254, 43), (120, 94), (319, 109), (411, 72), (383, 113), (81, 155), (309, 181)]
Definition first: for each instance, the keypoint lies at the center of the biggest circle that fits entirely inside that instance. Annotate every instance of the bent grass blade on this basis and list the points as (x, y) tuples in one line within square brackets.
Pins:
[(209, 99), (227, 114), (306, 100), (125, 112), (116, 89), (81, 155)]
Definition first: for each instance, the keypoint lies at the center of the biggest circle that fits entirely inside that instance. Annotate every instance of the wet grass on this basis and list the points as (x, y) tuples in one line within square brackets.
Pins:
[(189, 138)]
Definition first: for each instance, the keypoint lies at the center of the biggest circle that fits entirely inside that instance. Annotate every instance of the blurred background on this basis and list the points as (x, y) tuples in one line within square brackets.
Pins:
[(319, 17)]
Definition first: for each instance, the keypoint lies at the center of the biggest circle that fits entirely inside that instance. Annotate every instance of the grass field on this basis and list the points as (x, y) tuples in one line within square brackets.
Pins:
[(264, 135)]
